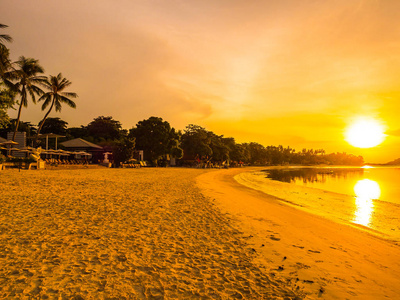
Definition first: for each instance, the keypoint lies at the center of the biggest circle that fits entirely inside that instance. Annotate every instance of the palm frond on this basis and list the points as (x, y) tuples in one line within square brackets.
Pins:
[(57, 104), (30, 91), (37, 90), (47, 100), (67, 101), (6, 37), (69, 94)]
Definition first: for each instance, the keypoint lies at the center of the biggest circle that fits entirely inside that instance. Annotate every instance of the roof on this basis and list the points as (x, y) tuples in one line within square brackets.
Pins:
[(79, 143), (2, 140), (50, 135)]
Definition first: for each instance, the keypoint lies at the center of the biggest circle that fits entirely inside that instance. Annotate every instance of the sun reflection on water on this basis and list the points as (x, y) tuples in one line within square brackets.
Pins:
[(366, 191)]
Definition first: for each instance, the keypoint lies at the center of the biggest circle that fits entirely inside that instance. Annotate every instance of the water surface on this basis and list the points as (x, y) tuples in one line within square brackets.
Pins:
[(364, 196)]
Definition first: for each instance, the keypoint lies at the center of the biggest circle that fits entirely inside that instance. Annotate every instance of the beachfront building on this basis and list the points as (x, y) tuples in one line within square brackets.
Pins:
[(78, 144)]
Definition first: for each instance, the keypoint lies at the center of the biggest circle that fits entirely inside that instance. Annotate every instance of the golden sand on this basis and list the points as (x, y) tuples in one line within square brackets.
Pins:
[(325, 259), (124, 234)]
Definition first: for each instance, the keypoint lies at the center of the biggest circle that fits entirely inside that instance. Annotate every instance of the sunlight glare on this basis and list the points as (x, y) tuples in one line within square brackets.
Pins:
[(366, 190), (365, 133)]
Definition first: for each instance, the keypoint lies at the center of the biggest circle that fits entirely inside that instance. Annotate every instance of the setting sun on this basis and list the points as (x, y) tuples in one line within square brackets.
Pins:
[(365, 133)]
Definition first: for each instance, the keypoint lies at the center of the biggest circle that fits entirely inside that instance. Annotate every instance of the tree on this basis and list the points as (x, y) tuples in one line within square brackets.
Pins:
[(54, 125), (219, 146), (6, 96), (23, 127), (5, 63), (55, 96), (257, 153), (26, 77), (196, 141), (6, 102), (156, 138), (123, 149), (240, 153), (4, 37), (77, 132), (104, 128)]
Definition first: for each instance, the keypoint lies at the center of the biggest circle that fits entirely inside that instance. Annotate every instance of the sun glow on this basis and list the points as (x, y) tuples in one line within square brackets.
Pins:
[(365, 133)]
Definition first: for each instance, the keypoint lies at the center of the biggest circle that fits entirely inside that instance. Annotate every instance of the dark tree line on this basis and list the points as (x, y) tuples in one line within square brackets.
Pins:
[(195, 144)]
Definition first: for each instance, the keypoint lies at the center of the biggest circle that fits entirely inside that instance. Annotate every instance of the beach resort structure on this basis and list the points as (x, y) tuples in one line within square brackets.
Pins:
[(79, 144)]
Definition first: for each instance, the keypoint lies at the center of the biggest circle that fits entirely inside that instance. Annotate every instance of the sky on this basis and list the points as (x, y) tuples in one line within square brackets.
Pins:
[(276, 72)]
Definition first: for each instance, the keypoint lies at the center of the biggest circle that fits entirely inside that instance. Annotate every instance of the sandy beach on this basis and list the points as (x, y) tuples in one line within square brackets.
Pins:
[(126, 234), (325, 259), (164, 233)]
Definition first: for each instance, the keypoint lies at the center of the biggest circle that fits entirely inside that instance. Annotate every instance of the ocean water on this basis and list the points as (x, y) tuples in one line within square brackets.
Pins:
[(364, 197)]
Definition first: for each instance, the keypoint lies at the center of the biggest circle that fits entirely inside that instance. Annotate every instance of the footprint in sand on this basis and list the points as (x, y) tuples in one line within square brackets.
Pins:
[(314, 251), (274, 238)]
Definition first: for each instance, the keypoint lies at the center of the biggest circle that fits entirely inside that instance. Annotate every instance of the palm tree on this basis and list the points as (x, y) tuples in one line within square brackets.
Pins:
[(27, 79), (55, 96), (4, 52), (4, 37)]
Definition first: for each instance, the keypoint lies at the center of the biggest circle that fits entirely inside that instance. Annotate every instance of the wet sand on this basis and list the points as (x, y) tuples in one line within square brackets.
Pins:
[(130, 234), (325, 259)]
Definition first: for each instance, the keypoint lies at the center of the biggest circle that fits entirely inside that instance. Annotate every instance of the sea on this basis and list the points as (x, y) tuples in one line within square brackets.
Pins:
[(365, 197)]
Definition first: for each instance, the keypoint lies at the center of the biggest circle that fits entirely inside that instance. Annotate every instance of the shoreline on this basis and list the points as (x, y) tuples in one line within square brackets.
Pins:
[(324, 258), (338, 207)]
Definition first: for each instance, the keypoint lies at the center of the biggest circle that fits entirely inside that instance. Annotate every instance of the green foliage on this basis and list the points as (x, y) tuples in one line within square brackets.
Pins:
[(6, 102), (123, 149), (104, 129), (54, 125), (77, 132), (156, 137), (24, 80), (196, 141), (55, 96), (23, 127), (4, 37), (240, 153)]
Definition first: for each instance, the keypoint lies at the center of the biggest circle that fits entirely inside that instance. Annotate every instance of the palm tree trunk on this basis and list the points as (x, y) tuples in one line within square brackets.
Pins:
[(44, 119), (17, 123)]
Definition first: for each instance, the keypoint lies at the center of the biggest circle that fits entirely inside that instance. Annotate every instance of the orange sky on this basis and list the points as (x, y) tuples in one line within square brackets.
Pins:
[(275, 72)]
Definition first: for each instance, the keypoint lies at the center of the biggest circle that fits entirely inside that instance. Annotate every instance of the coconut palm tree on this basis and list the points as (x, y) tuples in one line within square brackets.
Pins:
[(4, 52), (55, 96), (4, 37), (24, 80), (5, 63)]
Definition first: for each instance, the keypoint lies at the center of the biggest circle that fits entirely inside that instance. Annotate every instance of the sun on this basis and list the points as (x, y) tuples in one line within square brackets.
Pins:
[(365, 133)]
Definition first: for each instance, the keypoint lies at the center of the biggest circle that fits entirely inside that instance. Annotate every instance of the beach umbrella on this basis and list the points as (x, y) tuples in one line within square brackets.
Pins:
[(28, 149), (9, 143), (63, 152), (83, 153), (20, 150)]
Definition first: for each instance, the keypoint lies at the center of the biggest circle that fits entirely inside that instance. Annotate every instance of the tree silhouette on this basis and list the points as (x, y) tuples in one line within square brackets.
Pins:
[(27, 80), (55, 96)]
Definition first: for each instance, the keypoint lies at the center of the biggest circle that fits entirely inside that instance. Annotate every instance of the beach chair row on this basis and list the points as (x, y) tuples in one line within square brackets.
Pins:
[(131, 165), (65, 162)]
